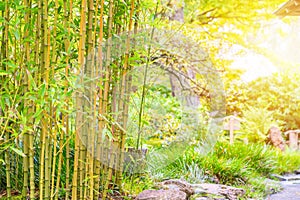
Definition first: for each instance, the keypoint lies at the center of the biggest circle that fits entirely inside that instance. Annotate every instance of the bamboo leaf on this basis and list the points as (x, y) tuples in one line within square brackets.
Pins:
[(2, 103), (3, 73), (17, 34), (17, 151), (107, 132), (38, 113), (11, 65), (42, 90), (2, 6), (31, 79)]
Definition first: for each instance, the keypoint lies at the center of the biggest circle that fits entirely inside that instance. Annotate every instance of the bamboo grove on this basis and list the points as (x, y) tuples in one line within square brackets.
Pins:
[(62, 109)]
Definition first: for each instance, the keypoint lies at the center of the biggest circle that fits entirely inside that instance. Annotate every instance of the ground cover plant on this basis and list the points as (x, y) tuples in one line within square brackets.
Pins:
[(83, 82), (242, 165)]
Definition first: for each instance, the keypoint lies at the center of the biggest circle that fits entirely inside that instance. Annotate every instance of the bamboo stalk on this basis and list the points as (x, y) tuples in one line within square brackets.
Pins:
[(55, 186), (81, 51), (45, 146), (54, 163), (66, 123), (99, 73), (31, 165), (4, 47), (48, 157), (76, 156), (29, 104), (4, 56), (54, 56), (25, 164), (144, 88), (66, 117), (106, 92), (26, 134), (42, 157), (86, 172), (37, 48), (8, 169), (78, 123), (90, 70), (123, 95), (47, 171), (109, 174), (82, 157)]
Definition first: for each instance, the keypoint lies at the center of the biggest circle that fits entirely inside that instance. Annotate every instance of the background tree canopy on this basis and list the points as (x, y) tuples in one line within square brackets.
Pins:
[(77, 93)]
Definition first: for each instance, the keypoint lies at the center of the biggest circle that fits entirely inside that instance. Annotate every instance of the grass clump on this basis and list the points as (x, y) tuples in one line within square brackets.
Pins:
[(242, 165)]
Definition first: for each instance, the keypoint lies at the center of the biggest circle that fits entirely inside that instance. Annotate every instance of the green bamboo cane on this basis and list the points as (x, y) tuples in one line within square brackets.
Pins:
[(52, 190), (8, 169), (66, 124), (53, 194), (81, 49), (44, 165), (107, 176), (39, 50), (42, 156), (99, 68), (26, 134), (67, 21), (4, 56), (123, 104), (90, 68), (28, 103)]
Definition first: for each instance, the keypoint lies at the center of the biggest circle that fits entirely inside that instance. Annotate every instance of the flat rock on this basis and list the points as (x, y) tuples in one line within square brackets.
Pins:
[(180, 185), (170, 194), (286, 178), (218, 191)]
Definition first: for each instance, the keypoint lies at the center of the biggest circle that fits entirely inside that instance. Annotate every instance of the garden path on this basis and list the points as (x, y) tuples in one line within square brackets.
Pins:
[(291, 191)]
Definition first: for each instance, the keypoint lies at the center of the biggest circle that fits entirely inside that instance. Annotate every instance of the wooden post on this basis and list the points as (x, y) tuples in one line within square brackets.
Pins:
[(293, 139), (232, 123)]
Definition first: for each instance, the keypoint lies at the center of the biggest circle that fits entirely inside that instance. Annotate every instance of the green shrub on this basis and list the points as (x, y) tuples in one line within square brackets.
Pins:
[(287, 161), (258, 157), (257, 122), (242, 165)]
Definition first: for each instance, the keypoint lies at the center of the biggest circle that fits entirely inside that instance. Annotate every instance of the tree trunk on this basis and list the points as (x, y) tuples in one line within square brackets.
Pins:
[(176, 79)]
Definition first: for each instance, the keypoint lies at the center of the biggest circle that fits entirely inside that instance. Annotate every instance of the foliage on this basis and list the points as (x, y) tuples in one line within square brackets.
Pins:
[(135, 184), (256, 124), (279, 94), (241, 165), (45, 48), (221, 24), (161, 116), (45, 53), (264, 102), (235, 91)]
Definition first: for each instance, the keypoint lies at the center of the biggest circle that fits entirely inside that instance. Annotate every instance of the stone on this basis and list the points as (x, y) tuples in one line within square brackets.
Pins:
[(134, 160), (290, 177), (275, 138), (171, 194), (218, 191), (208, 197), (180, 185)]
